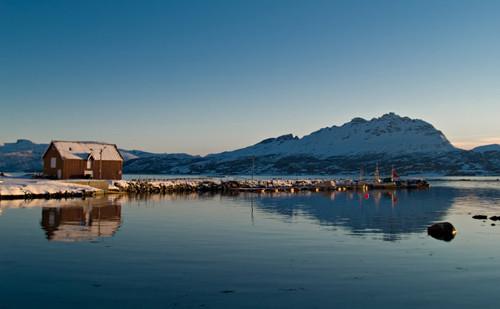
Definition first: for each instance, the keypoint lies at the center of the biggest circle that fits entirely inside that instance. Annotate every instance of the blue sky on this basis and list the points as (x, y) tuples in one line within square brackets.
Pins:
[(203, 77)]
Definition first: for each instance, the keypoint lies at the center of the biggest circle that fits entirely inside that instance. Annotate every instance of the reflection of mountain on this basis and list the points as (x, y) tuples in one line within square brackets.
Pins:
[(482, 200), (81, 223), (388, 215)]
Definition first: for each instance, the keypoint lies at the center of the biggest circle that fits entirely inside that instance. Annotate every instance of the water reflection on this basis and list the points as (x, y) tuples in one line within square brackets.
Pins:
[(75, 219), (305, 249), (63, 202), (81, 223), (386, 215), (477, 200)]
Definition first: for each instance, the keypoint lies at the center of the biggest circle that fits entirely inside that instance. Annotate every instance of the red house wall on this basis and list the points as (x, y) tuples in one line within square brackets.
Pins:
[(75, 169)]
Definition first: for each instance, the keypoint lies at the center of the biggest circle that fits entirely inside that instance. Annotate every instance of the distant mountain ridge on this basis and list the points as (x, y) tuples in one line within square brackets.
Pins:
[(493, 147), (23, 155), (387, 134), (413, 146)]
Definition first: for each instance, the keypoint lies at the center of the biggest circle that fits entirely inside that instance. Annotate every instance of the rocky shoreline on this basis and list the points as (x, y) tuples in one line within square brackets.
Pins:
[(212, 185), (21, 188), (29, 189)]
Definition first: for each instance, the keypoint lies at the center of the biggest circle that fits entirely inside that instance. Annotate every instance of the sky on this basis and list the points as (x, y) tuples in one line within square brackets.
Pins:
[(206, 76)]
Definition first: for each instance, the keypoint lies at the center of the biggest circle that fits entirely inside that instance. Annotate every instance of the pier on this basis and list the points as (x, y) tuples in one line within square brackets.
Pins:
[(209, 184), (28, 189)]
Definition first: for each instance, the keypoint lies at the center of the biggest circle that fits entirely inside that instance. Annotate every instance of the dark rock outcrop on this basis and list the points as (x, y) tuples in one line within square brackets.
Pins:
[(480, 217), (442, 231)]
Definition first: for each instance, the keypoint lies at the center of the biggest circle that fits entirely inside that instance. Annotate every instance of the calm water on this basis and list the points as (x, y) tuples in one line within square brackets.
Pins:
[(286, 250)]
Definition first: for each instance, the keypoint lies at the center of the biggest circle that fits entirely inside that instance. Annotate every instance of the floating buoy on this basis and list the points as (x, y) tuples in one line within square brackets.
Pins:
[(367, 195)]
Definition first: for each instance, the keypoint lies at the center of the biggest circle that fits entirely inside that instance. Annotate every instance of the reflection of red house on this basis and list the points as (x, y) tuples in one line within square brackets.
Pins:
[(66, 160), (81, 223)]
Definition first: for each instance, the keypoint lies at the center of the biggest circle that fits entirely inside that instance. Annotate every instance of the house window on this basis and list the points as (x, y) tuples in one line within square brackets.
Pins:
[(52, 162)]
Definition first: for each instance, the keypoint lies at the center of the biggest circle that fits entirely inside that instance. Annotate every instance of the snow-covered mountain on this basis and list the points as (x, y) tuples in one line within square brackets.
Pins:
[(135, 154), (485, 148), (413, 146), (22, 155), (387, 134), (22, 145)]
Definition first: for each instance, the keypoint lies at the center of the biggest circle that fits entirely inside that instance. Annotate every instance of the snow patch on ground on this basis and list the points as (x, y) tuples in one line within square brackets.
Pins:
[(21, 186)]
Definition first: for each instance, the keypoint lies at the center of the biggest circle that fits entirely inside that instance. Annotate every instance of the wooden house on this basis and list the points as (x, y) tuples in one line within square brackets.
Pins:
[(79, 160)]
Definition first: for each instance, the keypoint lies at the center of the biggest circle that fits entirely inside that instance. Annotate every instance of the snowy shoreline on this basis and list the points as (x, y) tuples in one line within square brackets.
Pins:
[(14, 188), (29, 188), (18, 188)]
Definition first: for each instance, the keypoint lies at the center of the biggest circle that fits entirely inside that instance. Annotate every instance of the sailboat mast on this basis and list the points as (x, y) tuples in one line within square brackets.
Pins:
[(376, 176)]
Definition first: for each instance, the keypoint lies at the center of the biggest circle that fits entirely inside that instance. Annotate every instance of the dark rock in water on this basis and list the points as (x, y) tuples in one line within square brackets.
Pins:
[(495, 218), (480, 217), (226, 291), (442, 231)]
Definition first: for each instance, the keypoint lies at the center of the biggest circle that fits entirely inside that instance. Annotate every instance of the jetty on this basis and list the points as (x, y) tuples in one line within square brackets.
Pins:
[(218, 185), (18, 188)]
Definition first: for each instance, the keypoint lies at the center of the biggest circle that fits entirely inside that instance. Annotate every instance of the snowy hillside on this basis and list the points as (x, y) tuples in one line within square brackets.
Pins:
[(22, 145), (22, 155), (387, 134), (413, 146), (493, 147)]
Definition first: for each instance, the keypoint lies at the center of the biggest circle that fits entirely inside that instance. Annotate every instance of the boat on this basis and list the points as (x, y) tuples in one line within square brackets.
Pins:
[(344, 184), (385, 183), (360, 184), (410, 183)]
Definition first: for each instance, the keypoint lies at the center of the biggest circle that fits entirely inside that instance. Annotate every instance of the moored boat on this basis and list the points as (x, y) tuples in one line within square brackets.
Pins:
[(360, 184), (385, 183)]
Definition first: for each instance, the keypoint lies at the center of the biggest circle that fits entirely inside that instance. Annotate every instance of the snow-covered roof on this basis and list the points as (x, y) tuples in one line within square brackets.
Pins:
[(83, 150)]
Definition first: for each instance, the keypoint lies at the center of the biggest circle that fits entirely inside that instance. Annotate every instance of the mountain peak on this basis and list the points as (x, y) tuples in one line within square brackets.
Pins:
[(358, 120), (393, 117), (281, 138), (386, 117), (388, 134), (24, 141), (389, 116)]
